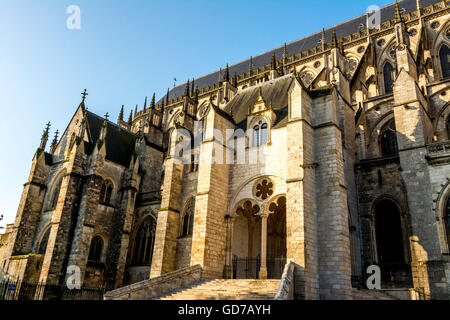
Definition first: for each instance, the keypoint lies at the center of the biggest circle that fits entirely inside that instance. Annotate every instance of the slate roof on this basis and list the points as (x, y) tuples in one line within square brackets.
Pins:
[(120, 143), (303, 44)]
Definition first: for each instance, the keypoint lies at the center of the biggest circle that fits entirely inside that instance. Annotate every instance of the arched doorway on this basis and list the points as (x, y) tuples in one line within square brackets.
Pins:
[(276, 238), (246, 244), (390, 245)]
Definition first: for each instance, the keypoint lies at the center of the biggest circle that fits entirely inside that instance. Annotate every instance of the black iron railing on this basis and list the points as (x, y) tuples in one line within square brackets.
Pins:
[(246, 268), (19, 290)]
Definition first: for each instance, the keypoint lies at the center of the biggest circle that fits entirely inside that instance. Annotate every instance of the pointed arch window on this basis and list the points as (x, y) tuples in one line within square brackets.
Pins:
[(388, 140), (106, 192), (44, 241), (55, 194), (447, 221), (389, 76), (188, 219), (444, 55), (143, 245), (260, 134), (96, 249)]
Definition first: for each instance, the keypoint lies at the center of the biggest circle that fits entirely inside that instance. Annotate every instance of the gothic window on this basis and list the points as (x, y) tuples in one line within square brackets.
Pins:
[(95, 251), (260, 134), (447, 222), (256, 136), (188, 218), (106, 192), (307, 78), (55, 194), (388, 140), (143, 245), (43, 243), (444, 55), (264, 189), (389, 76)]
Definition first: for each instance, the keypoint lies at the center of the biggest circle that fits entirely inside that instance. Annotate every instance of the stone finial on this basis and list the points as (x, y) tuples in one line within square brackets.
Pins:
[(227, 74), (44, 137), (273, 63), (235, 80), (135, 111), (186, 90), (250, 65), (153, 103), (334, 42), (398, 15), (145, 104), (130, 118), (120, 118), (167, 97), (54, 143), (193, 87)]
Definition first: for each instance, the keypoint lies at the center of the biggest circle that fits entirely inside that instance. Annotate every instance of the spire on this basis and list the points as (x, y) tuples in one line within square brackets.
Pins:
[(235, 80), (120, 115), (186, 91), (153, 103), (334, 43), (285, 53), (227, 74), (250, 65), (54, 143), (167, 97), (135, 111), (145, 103), (196, 93), (273, 64), (130, 119), (220, 75), (398, 15), (44, 138)]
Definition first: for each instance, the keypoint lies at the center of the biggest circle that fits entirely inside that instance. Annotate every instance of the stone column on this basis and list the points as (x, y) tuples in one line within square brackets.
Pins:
[(263, 269)]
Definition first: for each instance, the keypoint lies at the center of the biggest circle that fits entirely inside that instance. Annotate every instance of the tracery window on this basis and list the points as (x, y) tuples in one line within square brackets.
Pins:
[(106, 192), (188, 218), (96, 249), (143, 245), (388, 140), (260, 134), (389, 76), (44, 241), (55, 194), (444, 55), (447, 221)]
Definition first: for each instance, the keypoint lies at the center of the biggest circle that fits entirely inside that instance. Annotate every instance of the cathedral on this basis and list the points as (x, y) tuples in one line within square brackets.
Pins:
[(300, 168)]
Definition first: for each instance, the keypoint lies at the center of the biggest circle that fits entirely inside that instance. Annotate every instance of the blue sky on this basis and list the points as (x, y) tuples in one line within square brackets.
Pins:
[(124, 51)]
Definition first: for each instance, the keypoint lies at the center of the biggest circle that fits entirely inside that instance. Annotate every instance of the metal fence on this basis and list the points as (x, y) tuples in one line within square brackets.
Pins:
[(18, 290), (247, 268)]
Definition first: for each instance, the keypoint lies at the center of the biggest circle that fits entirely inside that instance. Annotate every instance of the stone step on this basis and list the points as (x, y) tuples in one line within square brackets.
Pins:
[(224, 289)]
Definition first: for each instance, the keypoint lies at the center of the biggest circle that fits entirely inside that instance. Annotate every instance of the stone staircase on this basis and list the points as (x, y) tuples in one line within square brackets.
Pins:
[(227, 290)]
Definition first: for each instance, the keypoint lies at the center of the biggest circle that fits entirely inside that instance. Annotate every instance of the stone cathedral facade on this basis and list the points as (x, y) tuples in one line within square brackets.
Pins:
[(350, 129)]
